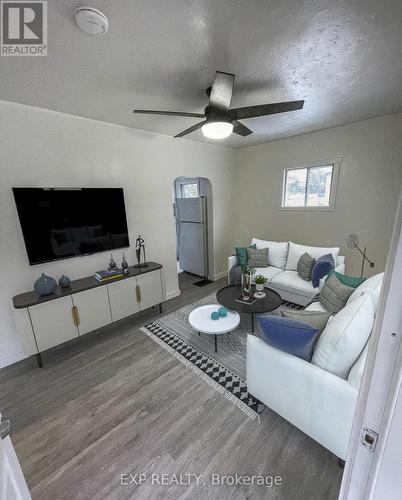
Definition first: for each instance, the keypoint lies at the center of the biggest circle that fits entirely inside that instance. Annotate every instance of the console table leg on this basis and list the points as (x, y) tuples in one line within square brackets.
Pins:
[(39, 360), (216, 343), (160, 308), (252, 322)]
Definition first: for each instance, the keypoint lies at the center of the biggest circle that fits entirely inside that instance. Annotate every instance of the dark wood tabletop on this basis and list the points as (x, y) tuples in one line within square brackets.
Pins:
[(227, 297)]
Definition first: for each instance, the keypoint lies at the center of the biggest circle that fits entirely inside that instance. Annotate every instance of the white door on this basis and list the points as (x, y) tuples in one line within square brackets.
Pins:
[(92, 309), (123, 298), (12, 481), (53, 322), (150, 289)]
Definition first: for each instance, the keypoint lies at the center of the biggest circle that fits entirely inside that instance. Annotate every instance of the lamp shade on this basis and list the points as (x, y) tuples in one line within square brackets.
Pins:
[(352, 240), (217, 130)]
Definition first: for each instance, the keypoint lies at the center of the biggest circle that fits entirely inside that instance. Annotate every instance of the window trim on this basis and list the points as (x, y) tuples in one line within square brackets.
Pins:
[(336, 163)]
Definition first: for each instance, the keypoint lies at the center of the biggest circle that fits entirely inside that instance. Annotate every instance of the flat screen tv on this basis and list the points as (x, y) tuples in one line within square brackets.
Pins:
[(60, 223)]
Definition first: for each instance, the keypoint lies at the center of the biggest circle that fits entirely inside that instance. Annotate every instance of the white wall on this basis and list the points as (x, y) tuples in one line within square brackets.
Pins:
[(368, 189), (44, 148)]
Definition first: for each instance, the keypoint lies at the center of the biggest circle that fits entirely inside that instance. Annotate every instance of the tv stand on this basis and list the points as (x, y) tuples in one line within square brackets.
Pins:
[(86, 305)]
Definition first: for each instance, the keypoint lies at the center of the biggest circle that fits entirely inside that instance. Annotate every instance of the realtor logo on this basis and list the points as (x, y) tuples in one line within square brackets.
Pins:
[(23, 28)]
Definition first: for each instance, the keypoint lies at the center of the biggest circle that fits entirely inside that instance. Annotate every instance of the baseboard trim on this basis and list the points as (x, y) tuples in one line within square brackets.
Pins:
[(220, 275), (172, 294), (10, 359)]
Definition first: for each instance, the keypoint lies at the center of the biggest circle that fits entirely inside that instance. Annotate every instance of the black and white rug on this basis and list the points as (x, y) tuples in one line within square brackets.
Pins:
[(225, 370)]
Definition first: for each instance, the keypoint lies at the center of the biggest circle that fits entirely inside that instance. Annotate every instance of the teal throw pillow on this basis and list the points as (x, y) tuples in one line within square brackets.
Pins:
[(241, 253)]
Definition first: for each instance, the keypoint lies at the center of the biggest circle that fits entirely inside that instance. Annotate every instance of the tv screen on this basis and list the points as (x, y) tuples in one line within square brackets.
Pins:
[(59, 223)]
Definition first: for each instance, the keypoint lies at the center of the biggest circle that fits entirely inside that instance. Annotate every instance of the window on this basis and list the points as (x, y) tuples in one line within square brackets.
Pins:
[(189, 190), (310, 187)]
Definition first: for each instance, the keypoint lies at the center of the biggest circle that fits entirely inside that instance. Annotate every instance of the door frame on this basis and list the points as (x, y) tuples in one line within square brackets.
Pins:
[(381, 380), (204, 189)]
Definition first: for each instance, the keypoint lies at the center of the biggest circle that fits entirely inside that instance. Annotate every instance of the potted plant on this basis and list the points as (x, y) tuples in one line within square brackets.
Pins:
[(260, 282)]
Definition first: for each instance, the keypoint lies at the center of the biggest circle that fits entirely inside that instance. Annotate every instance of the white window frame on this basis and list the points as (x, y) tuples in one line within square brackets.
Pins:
[(335, 163)]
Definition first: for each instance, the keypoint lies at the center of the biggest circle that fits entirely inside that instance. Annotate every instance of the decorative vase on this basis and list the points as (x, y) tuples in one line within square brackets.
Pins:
[(259, 287), (246, 285), (45, 285), (64, 281), (112, 263), (124, 264)]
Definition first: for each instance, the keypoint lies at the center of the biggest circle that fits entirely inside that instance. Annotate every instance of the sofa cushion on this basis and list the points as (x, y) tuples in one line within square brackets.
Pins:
[(334, 294), (356, 372), (372, 284), (316, 306), (316, 319), (305, 266), (278, 251), (268, 273), (345, 336), (288, 335), (292, 282), (296, 251), (257, 257), (241, 253), (323, 266)]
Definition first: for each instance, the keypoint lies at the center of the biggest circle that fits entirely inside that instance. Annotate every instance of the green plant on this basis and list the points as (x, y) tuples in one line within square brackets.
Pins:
[(247, 270), (260, 280)]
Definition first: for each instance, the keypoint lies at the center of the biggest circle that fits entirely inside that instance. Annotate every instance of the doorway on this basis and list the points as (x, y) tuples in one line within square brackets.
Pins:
[(192, 210)]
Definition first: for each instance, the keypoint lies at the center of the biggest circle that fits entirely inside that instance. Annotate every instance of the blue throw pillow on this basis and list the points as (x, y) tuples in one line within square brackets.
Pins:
[(288, 335), (322, 267)]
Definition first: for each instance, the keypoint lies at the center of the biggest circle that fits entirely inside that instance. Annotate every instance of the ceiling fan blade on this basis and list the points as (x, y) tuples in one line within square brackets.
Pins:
[(239, 128), (191, 129), (168, 113), (264, 109), (221, 91)]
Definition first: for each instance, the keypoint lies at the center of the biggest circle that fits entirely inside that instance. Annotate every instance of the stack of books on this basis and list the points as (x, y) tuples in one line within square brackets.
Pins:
[(109, 275)]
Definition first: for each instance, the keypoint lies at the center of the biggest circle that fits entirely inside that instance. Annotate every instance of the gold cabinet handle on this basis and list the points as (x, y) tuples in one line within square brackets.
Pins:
[(138, 292), (76, 317)]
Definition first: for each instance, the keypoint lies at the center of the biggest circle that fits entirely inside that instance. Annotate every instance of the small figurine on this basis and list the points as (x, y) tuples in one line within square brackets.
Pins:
[(140, 245), (112, 263), (124, 264)]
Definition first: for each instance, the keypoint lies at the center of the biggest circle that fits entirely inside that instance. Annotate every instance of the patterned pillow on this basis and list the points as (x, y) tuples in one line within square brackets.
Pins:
[(257, 257), (305, 267)]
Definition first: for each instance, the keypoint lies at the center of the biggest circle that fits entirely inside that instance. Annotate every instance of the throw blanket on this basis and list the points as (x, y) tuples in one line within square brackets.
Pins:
[(235, 275)]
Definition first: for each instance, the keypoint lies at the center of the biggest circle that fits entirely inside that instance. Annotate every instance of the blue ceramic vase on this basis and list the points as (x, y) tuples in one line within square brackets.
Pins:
[(64, 281), (45, 285)]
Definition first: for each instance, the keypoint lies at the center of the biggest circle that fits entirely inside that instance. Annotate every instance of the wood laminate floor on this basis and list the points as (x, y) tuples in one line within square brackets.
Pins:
[(114, 402)]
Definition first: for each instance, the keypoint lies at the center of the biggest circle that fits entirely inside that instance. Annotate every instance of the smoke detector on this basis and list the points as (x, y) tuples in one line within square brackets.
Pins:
[(91, 20)]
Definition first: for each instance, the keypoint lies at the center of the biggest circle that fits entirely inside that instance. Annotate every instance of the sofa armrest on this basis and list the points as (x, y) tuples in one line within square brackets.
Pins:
[(232, 262), (319, 403)]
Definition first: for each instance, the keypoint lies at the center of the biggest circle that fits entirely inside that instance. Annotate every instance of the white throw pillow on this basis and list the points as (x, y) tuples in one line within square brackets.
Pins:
[(278, 251), (296, 251), (344, 338), (372, 285)]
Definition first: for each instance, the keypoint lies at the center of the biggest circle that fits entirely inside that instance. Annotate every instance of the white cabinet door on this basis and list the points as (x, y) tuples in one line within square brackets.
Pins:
[(92, 309), (123, 298), (150, 286), (53, 322)]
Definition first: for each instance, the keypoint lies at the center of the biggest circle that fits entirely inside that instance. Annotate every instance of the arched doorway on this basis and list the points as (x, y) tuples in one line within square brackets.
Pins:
[(193, 214)]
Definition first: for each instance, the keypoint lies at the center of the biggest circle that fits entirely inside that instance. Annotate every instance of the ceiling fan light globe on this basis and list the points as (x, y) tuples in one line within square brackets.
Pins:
[(217, 130)]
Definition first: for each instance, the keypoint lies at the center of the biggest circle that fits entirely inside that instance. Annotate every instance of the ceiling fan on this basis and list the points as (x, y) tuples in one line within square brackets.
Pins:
[(220, 121)]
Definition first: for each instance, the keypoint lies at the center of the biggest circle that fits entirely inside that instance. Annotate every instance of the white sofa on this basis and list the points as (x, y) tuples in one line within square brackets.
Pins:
[(319, 397), (281, 273)]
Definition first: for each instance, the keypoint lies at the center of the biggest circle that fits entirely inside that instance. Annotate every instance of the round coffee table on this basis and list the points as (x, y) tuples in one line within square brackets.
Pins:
[(200, 319), (227, 297)]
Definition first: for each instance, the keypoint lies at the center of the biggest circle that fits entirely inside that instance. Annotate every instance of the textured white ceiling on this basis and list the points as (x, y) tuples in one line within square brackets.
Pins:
[(342, 56)]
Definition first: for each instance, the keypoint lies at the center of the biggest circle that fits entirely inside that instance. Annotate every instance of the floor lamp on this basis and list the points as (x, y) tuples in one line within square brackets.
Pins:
[(352, 242)]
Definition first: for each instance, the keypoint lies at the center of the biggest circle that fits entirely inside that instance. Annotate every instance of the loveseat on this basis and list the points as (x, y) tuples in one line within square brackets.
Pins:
[(281, 273), (319, 397)]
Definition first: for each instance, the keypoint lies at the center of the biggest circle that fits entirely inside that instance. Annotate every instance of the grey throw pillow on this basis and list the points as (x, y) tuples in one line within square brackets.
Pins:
[(314, 318), (334, 294), (305, 266), (257, 257)]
